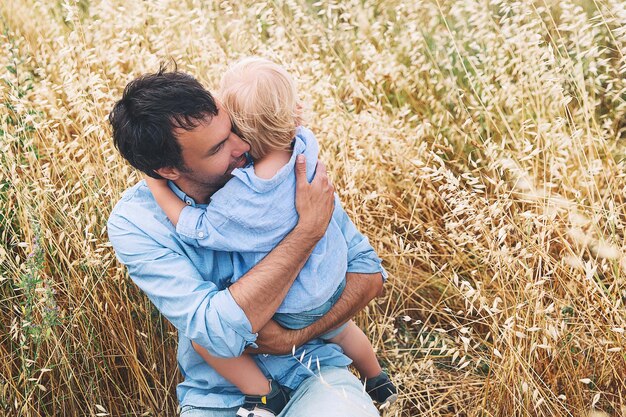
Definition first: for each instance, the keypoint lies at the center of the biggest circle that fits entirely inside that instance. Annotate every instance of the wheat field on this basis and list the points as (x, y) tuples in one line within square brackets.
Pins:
[(479, 144)]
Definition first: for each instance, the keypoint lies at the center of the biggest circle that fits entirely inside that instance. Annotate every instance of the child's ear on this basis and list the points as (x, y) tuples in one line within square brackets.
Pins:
[(169, 173)]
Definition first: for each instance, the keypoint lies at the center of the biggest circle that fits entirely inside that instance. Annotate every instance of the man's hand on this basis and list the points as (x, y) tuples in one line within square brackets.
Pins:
[(270, 279), (360, 289), (314, 201), (274, 339)]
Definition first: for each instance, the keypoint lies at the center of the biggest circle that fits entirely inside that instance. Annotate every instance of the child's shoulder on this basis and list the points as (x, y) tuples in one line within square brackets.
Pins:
[(267, 168), (305, 133), (308, 139), (234, 193)]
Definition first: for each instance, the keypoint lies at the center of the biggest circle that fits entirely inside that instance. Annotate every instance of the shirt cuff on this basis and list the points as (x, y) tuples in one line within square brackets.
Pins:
[(188, 221), (366, 266), (235, 325)]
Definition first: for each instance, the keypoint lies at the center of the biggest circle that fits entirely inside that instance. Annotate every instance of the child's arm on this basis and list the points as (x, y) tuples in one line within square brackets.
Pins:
[(208, 227), (166, 199)]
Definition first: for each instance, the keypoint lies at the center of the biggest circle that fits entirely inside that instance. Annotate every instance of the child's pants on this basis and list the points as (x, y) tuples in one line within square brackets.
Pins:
[(303, 319)]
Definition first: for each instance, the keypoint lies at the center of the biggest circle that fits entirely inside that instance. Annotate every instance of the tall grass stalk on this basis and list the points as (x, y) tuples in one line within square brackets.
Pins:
[(480, 145)]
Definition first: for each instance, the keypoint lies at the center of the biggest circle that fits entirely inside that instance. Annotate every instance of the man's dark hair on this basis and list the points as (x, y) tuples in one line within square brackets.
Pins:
[(151, 107)]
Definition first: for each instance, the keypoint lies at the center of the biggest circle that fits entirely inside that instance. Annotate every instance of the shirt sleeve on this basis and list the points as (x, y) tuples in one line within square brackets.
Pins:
[(206, 228), (361, 255), (215, 227), (197, 308)]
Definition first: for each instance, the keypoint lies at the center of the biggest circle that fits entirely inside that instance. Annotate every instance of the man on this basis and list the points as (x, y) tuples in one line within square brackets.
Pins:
[(168, 126)]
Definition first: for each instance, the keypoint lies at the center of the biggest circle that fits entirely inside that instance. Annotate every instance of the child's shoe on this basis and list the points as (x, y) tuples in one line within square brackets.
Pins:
[(382, 390), (269, 405)]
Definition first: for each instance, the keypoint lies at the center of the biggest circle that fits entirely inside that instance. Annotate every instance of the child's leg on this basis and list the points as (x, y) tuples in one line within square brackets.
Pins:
[(243, 372), (357, 347)]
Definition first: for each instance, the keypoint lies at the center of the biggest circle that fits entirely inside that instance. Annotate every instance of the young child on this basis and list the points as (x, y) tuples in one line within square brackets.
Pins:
[(258, 204)]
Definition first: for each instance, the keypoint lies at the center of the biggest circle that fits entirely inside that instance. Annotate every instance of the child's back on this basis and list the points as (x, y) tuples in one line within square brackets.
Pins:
[(250, 216)]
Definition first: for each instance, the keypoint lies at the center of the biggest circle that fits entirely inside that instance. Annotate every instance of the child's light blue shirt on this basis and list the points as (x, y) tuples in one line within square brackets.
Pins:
[(250, 216)]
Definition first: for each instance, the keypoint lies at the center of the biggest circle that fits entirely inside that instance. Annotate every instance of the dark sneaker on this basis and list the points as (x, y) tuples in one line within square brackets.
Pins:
[(269, 405), (382, 390)]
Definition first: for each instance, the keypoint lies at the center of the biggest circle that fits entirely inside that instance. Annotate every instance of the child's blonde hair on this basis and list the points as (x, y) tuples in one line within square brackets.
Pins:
[(261, 98)]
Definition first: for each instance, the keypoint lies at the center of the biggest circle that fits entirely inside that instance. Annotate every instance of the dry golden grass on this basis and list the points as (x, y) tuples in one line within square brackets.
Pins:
[(479, 144)]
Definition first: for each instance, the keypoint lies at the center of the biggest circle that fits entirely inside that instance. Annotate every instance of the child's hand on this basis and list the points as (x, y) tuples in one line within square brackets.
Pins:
[(154, 183), (165, 198)]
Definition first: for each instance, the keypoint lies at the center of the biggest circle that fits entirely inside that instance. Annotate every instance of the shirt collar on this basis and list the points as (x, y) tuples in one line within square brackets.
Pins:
[(180, 194)]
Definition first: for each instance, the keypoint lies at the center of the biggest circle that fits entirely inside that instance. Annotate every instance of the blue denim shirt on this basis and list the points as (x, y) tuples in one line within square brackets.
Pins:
[(251, 215), (189, 285)]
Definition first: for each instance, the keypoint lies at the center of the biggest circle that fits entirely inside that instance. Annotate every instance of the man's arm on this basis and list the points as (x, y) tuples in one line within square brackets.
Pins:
[(222, 321), (271, 279), (364, 280), (195, 306), (359, 291)]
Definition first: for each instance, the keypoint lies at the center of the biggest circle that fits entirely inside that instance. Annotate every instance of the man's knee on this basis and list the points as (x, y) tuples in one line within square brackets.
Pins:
[(334, 392)]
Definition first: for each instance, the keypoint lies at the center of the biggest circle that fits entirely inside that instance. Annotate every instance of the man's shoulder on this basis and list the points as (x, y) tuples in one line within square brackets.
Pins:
[(129, 197), (136, 205)]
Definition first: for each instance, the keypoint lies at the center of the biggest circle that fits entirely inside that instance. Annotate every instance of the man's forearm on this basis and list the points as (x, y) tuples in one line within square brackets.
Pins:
[(261, 290), (360, 290)]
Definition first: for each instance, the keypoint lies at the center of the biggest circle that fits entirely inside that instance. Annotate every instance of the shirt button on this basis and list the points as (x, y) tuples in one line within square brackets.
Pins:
[(201, 234), (188, 202)]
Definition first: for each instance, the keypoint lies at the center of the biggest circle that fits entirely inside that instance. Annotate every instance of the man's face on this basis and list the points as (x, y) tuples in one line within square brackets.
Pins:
[(211, 152)]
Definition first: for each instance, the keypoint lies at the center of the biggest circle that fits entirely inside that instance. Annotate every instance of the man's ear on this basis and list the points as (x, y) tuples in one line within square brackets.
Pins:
[(169, 173)]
